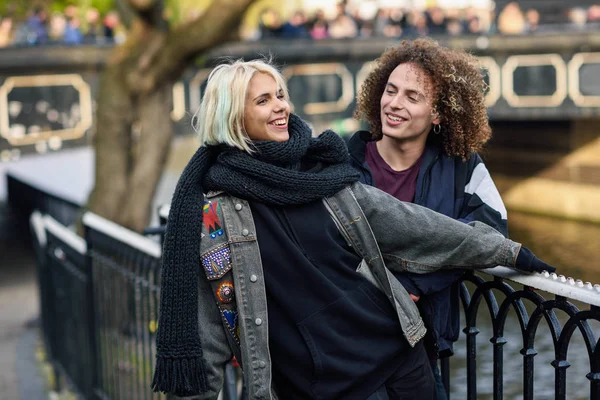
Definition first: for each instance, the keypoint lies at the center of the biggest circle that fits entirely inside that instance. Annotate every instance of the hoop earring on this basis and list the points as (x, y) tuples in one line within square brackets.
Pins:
[(437, 128)]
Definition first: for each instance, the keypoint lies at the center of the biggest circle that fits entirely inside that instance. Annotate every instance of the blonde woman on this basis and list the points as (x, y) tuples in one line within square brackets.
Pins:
[(274, 254)]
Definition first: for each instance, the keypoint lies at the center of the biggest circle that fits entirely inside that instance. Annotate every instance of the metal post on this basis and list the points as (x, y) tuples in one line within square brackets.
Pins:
[(560, 378), (94, 366), (498, 343), (471, 362), (528, 367)]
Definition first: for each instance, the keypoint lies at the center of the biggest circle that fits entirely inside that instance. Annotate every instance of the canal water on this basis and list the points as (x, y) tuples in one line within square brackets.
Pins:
[(574, 248)]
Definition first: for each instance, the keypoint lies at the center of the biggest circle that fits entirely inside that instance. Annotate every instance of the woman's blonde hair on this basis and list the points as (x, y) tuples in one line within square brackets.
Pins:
[(220, 117)]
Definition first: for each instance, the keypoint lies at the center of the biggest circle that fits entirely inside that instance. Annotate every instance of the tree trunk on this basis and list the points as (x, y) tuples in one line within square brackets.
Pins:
[(112, 142), (132, 143), (150, 155)]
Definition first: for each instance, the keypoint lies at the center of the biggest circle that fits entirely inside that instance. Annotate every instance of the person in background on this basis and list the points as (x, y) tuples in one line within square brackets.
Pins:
[(532, 17), (71, 11), (577, 17), (319, 27), (295, 28), (511, 20), (473, 26), (114, 32), (270, 24), (343, 25), (436, 21), (593, 15), (6, 31), (57, 26), (360, 23), (73, 35), (417, 24), (37, 31), (380, 21), (93, 29), (427, 120), (454, 27), (274, 253)]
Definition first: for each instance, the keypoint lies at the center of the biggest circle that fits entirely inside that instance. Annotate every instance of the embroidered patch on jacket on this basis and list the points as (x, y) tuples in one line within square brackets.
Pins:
[(231, 322), (217, 262), (225, 292), (211, 219)]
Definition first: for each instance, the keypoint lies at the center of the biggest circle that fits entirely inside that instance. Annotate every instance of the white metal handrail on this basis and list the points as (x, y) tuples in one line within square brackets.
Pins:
[(65, 234), (36, 221), (558, 285), (123, 234)]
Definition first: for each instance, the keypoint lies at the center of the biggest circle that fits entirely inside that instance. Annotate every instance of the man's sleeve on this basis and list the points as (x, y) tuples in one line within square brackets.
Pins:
[(482, 201), (416, 239)]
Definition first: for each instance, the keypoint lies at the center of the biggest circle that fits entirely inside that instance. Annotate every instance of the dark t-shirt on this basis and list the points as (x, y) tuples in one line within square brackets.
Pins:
[(400, 184)]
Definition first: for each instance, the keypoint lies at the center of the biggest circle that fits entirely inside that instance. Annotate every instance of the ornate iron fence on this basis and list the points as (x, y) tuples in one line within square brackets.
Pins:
[(561, 292), (100, 305)]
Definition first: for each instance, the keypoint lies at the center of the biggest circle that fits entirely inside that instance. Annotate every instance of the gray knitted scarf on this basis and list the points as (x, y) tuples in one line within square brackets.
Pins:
[(298, 171)]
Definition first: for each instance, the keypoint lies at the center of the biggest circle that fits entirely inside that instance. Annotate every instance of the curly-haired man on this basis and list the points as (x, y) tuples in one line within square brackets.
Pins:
[(425, 107)]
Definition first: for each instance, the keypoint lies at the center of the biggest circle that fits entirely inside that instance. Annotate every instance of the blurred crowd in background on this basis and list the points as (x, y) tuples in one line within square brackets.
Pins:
[(68, 27), (350, 22), (74, 26)]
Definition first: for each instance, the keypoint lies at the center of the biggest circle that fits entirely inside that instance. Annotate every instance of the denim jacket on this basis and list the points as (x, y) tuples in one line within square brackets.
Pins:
[(386, 233)]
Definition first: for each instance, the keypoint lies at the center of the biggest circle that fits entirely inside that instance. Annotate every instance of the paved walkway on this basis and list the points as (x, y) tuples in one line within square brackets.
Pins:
[(19, 377)]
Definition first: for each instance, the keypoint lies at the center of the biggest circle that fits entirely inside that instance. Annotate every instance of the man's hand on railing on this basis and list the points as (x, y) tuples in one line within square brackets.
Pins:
[(528, 262)]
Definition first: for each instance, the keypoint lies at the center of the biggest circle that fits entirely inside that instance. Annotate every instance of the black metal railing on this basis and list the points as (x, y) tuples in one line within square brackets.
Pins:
[(126, 286), (529, 308), (100, 306), (24, 198), (65, 284)]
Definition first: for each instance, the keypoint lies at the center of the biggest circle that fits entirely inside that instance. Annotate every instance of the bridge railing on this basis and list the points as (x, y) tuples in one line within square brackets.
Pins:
[(100, 298)]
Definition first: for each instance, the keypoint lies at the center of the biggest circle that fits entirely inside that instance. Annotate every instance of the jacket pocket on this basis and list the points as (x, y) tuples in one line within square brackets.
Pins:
[(378, 299), (350, 339)]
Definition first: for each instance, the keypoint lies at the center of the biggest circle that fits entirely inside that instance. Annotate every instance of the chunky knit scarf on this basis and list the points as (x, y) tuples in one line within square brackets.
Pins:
[(276, 174)]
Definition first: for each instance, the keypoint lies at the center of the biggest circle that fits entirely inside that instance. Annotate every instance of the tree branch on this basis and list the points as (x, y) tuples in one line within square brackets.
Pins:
[(149, 11), (217, 25), (214, 27), (126, 13), (142, 5)]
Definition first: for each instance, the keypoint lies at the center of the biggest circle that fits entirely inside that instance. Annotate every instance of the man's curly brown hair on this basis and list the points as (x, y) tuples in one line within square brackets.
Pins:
[(458, 93)]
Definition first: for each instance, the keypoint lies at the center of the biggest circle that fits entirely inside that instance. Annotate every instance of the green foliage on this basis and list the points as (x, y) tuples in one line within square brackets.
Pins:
[(20, 8), (103, 6), (15, 8), (59, 5)]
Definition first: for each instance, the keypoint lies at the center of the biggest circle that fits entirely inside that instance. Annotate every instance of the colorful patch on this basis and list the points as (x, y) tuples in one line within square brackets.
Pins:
[(225, 292), (211, 219), (231, 318), (217, 262)]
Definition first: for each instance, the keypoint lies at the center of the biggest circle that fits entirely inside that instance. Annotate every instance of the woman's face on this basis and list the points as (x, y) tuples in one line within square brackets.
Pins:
[(266, 110)]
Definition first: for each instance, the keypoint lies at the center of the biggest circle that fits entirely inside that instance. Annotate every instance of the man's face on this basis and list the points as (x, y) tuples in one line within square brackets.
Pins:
[(406, 104)]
